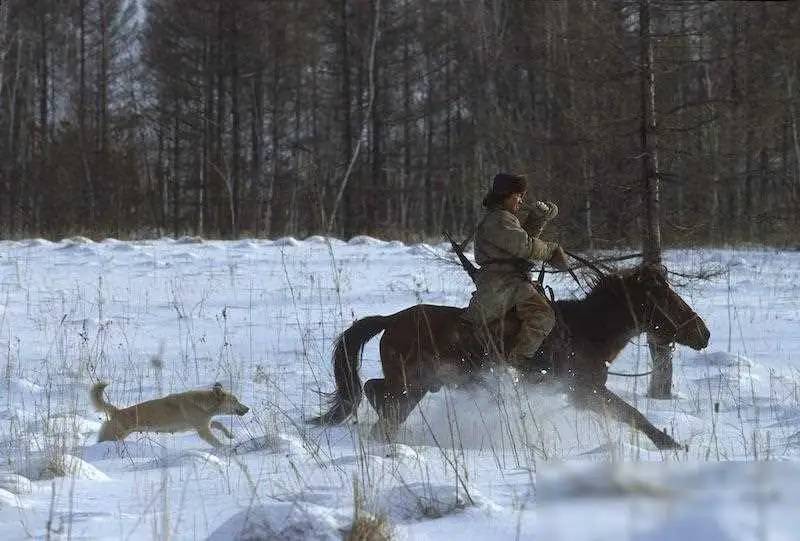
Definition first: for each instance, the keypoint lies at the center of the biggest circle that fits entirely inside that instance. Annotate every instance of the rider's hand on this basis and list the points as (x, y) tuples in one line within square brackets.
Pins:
[(551, 209), (539, 213), (547, 209), (559, 259)]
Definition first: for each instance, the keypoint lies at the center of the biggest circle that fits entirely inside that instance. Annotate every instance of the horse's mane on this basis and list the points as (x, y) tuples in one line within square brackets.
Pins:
[(603, 309), (605, 293), (600, 286)]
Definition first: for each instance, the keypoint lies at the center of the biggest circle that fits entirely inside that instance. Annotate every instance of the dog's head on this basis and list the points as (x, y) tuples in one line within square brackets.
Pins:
[(227, 402)]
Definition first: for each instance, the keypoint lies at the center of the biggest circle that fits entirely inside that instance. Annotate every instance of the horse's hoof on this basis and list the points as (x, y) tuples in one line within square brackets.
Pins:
[(669, 444)]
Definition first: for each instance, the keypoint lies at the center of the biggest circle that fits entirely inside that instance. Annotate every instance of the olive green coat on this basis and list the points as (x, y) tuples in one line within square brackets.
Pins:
[(502, 242)]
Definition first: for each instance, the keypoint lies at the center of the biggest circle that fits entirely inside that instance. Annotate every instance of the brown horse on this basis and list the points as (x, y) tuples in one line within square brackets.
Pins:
[(425, 346)]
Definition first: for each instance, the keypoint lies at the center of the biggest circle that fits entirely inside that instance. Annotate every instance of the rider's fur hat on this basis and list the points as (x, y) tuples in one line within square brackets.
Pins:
[(508, 183)]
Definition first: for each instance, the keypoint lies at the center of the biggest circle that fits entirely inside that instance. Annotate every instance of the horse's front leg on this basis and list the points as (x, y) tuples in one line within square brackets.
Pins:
[(602, 400)]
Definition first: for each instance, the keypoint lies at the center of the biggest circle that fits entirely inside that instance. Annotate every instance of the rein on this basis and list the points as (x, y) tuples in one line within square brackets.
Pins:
[(623, 375), (586, 262), (540, 279), (571, 271), (574, 277)]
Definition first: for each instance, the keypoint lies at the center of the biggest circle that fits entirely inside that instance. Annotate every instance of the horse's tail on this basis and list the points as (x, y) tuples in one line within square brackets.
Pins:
[(344, 401)]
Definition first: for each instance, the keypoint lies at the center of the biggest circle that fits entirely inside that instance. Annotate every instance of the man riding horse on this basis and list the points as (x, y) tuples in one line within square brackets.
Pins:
[(422, 347), (506, 246)]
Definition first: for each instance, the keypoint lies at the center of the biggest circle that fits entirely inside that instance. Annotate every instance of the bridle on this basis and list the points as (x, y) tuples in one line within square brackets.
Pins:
[(677, 326)]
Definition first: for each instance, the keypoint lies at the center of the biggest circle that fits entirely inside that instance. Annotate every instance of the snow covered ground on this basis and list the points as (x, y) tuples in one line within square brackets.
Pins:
[(155, 317)]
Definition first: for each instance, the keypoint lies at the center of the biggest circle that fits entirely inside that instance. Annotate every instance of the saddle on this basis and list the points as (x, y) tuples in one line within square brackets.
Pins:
[(478, 348)]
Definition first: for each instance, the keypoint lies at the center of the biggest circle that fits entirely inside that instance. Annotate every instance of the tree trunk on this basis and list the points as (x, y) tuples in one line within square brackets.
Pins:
[(317, 138), (39, 193), (161, 176), (714, 156), (276, 144), (235, 127), (298, 100), (661, 379), (405, 174), (429, 212), (375, 199), (791, 78), (588, 173), (429, 201), (749, 203), (175, 174), (208, 108), (218, 191), (734, 186), (88, 188), (344, 186), (102, 142), (347, 137), (13, 143), (257, 168), (4, 46)]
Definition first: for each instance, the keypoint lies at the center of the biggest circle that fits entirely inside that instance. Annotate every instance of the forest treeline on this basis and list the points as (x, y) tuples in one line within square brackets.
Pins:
[(226, 118)]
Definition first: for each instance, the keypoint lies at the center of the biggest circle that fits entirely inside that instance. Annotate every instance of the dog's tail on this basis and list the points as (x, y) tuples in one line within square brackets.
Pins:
[(98, 401)]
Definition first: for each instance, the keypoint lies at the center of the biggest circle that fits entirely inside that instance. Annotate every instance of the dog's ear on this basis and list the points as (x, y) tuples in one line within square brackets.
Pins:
[(217, 388)]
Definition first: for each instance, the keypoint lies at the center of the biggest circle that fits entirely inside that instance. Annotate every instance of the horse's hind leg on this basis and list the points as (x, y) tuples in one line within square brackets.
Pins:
[(602, 400), (392, 404), (396, 410), (374, 391)]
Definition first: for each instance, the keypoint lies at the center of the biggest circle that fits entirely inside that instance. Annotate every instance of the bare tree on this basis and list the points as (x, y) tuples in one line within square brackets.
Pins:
[(661, 379), (371, 99)]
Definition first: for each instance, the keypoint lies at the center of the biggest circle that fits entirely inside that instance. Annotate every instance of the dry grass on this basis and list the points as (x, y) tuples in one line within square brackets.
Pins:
[(367, 526), (370, 528)]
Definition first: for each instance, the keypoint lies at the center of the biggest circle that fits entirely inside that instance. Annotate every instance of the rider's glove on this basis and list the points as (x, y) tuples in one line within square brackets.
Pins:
[(559, 259), (547, 210)]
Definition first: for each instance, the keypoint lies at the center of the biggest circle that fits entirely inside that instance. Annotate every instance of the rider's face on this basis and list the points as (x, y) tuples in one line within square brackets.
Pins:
[(513, 201)]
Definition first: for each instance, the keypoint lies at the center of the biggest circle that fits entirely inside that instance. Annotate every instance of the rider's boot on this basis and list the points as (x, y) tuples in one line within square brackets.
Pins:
[(536, 321), (467, 344)]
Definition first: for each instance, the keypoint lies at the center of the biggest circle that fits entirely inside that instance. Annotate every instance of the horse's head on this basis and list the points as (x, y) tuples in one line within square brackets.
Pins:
[(661, 312)]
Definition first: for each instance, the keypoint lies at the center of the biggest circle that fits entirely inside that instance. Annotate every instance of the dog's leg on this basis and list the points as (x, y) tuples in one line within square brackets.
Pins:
[(107, 432), (222, 428), (111, 430), (205, 433)]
